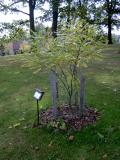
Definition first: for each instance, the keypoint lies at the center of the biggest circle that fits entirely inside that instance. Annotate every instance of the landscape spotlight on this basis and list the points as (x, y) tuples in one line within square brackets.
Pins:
[(38, 96)]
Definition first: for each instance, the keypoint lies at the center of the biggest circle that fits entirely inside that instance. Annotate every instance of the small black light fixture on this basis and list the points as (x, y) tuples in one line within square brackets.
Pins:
[(38, 96)]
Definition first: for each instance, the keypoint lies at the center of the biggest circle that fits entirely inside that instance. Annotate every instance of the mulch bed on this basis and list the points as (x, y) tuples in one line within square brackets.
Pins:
[(70, 116)]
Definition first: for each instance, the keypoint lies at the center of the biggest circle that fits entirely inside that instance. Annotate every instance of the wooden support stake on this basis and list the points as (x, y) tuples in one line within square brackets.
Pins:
[(54, 90), (82, 94)]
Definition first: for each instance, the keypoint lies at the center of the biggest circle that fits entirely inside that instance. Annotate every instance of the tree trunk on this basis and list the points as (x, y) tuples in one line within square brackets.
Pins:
[(31, 16), (109, 12), (55, 5), (109, 29), (68, 12)]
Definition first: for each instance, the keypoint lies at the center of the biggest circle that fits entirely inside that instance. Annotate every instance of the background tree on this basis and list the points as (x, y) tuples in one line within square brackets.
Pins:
[(32, 4), (55, 8), (106, 13), (112, 8), (74, 9)]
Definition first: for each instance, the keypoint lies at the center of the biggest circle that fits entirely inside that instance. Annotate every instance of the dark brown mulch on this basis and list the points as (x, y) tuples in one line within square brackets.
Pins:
[(71, 116)]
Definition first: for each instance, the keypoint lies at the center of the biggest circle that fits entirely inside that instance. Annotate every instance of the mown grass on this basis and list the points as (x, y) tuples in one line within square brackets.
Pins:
[(17, 107)]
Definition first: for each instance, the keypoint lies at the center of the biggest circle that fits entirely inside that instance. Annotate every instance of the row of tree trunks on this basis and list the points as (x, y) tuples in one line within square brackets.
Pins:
[(55, 6)]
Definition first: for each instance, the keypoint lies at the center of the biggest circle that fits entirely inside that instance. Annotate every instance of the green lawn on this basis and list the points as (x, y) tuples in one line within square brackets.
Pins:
[(19, 141)]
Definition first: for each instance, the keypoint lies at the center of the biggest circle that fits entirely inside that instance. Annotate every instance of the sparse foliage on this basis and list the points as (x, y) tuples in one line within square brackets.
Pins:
[(66, 55)]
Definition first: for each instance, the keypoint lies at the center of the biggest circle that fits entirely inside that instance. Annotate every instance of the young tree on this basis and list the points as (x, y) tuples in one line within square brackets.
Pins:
[(67, 54)]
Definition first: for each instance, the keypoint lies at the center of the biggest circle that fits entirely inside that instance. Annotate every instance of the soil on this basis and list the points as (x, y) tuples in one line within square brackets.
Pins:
[(70, 116)]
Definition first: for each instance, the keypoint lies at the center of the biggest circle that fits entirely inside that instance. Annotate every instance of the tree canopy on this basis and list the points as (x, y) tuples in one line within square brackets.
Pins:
[(99, 12)]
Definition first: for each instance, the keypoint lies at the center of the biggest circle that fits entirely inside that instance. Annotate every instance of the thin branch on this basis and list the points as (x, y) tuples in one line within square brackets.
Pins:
[(65, 77), (17, 10), (73, 71), (61, 80), (13, 9), (114, 5), (14, 3)]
